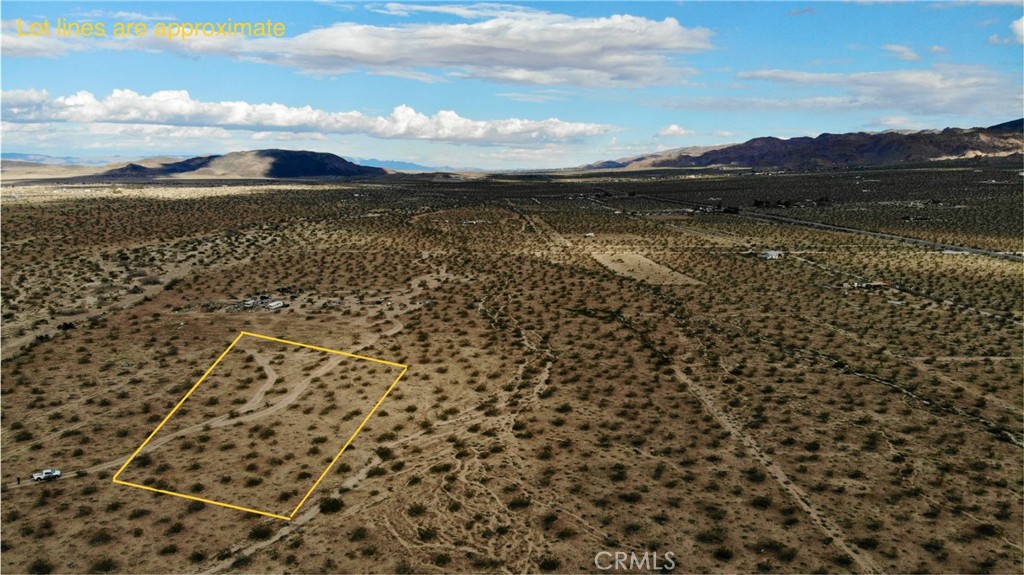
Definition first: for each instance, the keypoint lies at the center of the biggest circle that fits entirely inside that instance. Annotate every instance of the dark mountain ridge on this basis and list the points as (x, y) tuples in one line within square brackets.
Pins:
[(850, 150)]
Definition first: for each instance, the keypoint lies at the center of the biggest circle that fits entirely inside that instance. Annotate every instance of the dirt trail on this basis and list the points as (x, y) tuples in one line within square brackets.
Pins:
[(251, 407), (798, 495), (540, 225)]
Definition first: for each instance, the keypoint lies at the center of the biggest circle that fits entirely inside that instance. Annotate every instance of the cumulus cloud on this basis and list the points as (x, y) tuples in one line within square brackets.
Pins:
[(901, 52), (178, 108), (672, 130), (1017, 27), (520, 47), (500, 43)]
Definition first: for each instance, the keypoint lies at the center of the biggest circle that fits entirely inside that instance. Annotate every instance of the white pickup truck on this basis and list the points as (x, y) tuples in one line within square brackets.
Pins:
[(46, 475)]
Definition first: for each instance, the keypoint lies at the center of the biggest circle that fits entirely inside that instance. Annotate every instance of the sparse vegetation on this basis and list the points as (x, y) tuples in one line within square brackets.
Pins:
[(704, 402)]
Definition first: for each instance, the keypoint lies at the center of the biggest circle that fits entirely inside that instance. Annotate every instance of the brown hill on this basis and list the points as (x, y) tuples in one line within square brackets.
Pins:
[(250, 165)]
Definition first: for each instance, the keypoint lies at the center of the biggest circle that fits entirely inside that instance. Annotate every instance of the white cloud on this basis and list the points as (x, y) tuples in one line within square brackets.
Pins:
[(531, 156), (122, 15), (672, 130), (1017, 27), (901, 52), (520, 47), (504, 43), (158, 131), (536, 96), (178, 108), (287, 136), (942, 89), (471, 11), (17, 100), (899, 123), (13, 44), (341, 6)]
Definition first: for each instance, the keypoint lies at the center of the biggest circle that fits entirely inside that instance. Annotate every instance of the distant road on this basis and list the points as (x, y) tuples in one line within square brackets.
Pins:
[(860, 232)]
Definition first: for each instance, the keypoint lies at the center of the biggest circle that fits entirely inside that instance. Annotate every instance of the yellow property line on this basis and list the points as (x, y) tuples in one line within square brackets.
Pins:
[(203, 378), (349, 442), (334, 351), (173, 411), (211, 501)]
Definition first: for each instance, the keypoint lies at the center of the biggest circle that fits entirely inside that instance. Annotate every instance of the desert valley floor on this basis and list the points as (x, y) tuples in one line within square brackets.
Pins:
[(821, 382)]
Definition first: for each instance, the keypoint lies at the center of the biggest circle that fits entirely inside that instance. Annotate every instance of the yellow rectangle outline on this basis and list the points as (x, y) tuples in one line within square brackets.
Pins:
[(242, 334)]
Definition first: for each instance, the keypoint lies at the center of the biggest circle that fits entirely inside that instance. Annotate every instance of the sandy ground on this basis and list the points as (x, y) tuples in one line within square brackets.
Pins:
[(556, 405), (639, 267), (32, 193)]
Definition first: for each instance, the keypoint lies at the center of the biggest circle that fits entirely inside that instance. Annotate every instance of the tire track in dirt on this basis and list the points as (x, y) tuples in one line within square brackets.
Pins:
[(798, 495), (310, 512)]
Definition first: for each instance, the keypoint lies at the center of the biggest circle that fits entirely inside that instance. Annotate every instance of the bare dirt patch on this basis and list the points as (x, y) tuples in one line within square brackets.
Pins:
[(639, 267)]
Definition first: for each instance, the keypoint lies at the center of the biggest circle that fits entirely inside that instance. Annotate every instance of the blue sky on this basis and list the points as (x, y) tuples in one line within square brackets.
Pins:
[(509, 85)]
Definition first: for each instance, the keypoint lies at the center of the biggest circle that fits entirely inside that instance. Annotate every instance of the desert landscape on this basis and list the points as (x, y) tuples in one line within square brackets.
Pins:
[(739, 371)]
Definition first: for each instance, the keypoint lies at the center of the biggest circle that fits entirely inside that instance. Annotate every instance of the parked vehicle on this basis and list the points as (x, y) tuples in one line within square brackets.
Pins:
[(46, 475)]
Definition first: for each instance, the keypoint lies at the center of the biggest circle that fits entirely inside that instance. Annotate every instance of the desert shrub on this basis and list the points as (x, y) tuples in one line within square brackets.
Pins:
[(331, 505), (260, 532), (103, 565), (40, 567), (754, 475), (521, 502), (710, 537), (416, 509), (866, 542), (631, 497), (549, 563), (986, 530), (101, 537)]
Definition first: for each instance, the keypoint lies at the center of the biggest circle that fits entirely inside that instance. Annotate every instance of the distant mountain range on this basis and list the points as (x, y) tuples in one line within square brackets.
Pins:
[(164, 163), (62, 160), (400, 166), (832, 151), (1002, 142)]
